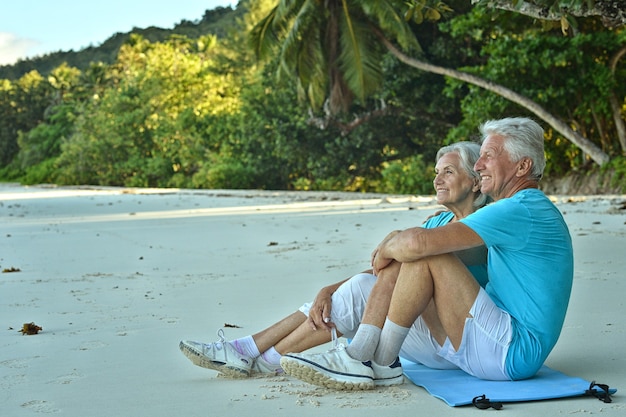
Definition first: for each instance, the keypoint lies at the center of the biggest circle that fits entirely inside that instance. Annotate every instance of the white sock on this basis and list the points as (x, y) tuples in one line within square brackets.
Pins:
[(272, 356), (391, 338), (246, 346), (364, 342)]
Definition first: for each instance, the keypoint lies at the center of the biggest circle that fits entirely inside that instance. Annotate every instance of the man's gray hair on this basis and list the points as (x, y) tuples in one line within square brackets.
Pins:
[(468, 152), (523, 138)]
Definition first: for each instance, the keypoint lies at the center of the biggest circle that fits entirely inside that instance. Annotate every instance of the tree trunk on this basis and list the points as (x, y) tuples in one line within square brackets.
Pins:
[(587, 146), (610, 11), (615, 106), (619, 122)]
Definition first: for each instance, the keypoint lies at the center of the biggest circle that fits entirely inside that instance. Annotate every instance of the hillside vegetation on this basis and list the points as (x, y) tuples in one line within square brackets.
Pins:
[(199, 107)]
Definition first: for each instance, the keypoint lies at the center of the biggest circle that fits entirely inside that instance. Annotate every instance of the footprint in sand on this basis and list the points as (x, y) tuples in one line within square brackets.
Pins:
[(9, 381), (92, 344), (171, 320), (40, 406), (66, 379), (17, 363)]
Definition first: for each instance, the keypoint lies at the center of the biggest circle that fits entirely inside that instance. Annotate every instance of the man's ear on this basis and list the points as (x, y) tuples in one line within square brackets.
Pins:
[(524, 167)]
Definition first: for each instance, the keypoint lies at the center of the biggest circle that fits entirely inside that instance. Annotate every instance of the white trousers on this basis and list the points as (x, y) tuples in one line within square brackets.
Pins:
[(483, 349)]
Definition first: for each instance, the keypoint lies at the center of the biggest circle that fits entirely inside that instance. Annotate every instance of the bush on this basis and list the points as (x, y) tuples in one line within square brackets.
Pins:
[(42, 173), (407, 176), (616, 168), (225, 174)]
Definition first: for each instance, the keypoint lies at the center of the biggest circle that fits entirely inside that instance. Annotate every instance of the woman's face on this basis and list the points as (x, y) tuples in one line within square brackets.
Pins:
[(452, 184)]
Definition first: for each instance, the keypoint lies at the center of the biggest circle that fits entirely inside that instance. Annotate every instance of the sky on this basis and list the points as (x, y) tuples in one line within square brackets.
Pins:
[(30, 28)]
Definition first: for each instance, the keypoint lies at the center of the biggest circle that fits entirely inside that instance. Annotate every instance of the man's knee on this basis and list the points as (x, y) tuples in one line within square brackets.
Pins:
[(389, 274)]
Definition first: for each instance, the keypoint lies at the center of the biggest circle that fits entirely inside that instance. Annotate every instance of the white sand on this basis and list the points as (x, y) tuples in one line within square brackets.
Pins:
[(116, 277)]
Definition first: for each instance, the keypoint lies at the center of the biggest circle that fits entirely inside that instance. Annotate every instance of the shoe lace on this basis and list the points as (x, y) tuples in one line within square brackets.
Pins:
[(335, 344), (220, 334), (219, 345)]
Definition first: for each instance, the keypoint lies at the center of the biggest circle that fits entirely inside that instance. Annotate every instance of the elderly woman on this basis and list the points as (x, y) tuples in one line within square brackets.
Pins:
[(338, 308)]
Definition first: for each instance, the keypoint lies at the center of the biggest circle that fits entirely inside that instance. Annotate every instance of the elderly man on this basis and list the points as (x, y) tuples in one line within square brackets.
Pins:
[(502, 332)]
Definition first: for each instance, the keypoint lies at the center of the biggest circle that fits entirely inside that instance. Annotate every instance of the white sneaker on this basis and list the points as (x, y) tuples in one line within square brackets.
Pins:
[(263, 367), (220, 356), (333, 369), (386, 376)]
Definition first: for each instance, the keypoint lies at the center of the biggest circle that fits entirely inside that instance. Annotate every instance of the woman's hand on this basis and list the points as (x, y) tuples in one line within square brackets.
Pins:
[(319, 315)]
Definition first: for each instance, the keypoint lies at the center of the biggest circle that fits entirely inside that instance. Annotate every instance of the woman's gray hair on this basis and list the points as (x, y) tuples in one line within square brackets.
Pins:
[(523, 139), (468, 152)]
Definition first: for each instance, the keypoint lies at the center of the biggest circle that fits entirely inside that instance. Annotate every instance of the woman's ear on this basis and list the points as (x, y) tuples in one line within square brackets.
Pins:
[(476, 186)]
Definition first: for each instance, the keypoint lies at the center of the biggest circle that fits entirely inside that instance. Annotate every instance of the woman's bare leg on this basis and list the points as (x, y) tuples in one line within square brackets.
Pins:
[(291, 335), (269, 337)]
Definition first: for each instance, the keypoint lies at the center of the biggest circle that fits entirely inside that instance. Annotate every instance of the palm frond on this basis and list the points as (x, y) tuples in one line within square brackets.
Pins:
[(287, 9), (313, 72), (301, 53), (359, 60), (263, 37), (266, 36), (330, 47), (297, 33), (387, 14)]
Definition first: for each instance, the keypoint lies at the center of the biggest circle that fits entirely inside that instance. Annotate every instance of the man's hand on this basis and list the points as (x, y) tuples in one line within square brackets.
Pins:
[(379, 260)]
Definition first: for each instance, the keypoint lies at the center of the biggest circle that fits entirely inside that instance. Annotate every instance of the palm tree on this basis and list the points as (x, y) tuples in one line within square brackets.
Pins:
[(335, 50), (330, 47)]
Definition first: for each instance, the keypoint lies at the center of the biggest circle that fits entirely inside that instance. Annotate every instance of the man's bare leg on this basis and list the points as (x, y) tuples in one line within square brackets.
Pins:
[(367, 336), (380, 298), (443, 279), (441, 282)]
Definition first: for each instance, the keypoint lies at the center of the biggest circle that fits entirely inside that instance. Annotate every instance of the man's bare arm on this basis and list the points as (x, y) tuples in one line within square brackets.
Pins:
[(416, 243), (473, 256)]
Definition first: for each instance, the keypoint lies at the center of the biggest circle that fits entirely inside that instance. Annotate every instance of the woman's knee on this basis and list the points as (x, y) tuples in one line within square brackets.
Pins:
[(348, 302), (358, 286)]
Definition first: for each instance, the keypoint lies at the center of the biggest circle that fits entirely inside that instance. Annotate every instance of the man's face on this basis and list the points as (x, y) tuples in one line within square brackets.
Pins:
[(497, 171)]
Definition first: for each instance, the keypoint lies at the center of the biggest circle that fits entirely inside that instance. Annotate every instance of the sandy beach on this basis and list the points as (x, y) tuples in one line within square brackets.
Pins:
[(117, 276)]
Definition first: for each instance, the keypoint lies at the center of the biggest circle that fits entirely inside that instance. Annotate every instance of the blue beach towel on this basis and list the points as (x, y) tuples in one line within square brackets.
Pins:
[(457, 388)]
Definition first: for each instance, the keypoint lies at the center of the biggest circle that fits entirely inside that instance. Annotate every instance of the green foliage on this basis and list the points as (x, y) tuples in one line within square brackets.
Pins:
[(225, 173), (193, 109), (218, 22), (407, 176), (22, 107), (331, 49), (569, 76), (145, 130), (44, 140), (423, 10), (616, 168), (43, 172)]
